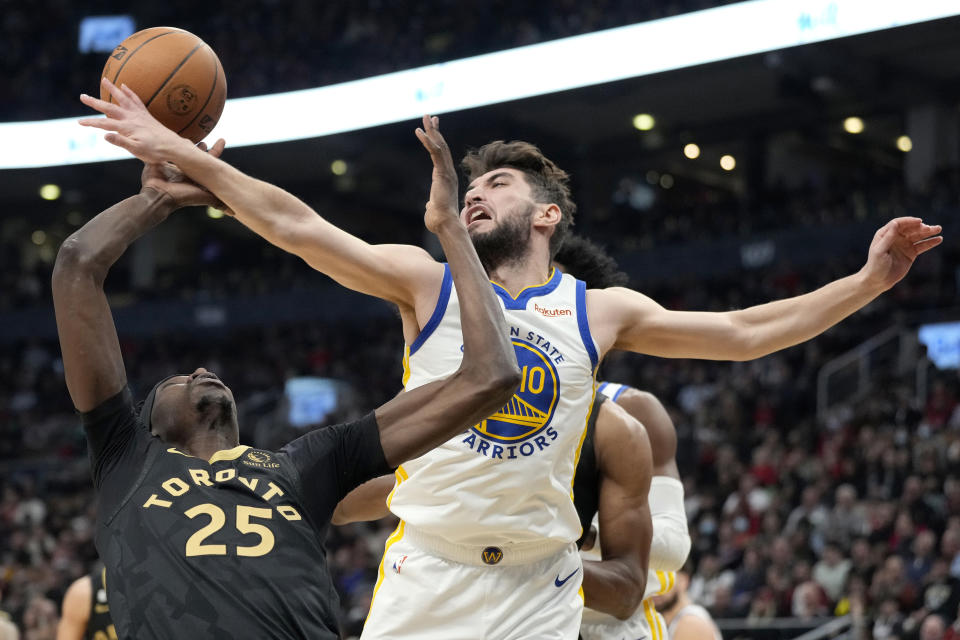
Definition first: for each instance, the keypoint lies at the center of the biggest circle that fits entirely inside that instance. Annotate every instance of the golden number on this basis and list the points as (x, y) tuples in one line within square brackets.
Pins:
[(217, 520), (195, 546), (245, 526), (523, 380), (536, 386)]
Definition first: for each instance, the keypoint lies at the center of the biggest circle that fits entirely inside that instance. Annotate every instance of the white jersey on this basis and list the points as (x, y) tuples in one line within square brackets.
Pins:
[(646, 622), (698, 612), (508, 479)]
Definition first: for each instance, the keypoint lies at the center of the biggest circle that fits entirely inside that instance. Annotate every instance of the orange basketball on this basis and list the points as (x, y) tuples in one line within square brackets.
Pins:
[(176, 74)]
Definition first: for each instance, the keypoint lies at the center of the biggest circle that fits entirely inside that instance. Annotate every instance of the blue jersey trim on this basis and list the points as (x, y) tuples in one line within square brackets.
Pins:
[(622, 388), (584, 324), (520, 302), (438, 312)]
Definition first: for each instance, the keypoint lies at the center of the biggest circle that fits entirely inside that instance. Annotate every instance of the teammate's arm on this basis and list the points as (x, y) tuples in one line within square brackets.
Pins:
[(615, 585), (403, 274), (420, 419), (365, 503), (640, 324), (671, 536), (76, 610), (92, 362)]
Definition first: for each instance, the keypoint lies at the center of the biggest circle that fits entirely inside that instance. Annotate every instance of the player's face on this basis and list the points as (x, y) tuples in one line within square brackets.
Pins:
[(498, 212), (183, 402)]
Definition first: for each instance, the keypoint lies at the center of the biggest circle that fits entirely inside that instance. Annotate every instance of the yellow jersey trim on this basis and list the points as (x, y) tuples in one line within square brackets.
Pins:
[(532, 286), (394, 537), (406, 365), (651, 620), (401, 475)]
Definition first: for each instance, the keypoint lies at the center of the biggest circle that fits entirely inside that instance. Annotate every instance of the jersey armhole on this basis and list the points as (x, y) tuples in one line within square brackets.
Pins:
[(438, 311), (584, 325)]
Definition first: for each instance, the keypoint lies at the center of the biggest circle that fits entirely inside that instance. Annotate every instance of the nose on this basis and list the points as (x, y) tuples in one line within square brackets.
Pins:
[(474, 196)]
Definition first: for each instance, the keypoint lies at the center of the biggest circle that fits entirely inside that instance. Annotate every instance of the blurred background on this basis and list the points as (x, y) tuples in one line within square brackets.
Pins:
[(822, 483)]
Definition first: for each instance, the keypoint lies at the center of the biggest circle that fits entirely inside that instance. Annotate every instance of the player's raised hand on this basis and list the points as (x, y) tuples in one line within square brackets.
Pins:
[(132, 127), (443, 203), (167, 178), (894, 248)]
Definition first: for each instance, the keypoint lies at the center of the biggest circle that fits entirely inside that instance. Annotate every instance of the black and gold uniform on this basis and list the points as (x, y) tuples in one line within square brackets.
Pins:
[(100, 624), (586, 480), (232, 547)]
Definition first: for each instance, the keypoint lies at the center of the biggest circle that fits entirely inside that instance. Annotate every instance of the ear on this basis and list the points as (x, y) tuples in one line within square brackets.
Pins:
[(549, 216)]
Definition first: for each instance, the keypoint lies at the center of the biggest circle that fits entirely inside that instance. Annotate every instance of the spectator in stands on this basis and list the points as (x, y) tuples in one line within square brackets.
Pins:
[(831, 571)]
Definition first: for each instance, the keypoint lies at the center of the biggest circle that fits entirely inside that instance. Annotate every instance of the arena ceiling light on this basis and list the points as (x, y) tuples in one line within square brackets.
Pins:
[(656, 46)]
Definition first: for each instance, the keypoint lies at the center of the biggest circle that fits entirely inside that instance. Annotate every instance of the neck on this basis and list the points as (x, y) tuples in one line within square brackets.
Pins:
[(515, 277), (681, 601), (206, 444)]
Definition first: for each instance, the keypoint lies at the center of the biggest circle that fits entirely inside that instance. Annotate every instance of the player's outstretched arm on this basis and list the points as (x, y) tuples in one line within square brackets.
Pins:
[(92, 361), (615, 585), (640, 324), (403, 274), (671, 542), (420, 419), (365, 503), (76, 610)]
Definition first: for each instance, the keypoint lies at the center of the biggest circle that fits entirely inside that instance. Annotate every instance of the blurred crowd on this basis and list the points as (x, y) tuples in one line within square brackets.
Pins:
[(283, 46)]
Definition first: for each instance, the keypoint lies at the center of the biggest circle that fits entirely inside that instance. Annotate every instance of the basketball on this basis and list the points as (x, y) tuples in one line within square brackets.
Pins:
[(176, 74)]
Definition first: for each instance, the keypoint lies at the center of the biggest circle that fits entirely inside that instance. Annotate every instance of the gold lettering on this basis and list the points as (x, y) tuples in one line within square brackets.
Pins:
[(195, 546), (154, 500), (244, 525), (99, 635), (274, 491), (288, 512), (225, 474), (112, 632), (200, 477), (251, 484), (176, 487)]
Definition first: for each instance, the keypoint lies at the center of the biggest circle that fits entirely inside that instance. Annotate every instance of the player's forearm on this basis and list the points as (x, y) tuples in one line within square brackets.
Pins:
[(670, 544), (365, 503), (766, 328), (269, 211), (488, 354), (613, 587), (95, 247)]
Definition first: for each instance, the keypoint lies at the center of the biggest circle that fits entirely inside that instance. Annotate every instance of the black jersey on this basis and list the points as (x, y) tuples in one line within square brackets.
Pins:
[(586, 480), (232, 547), (100, 624)]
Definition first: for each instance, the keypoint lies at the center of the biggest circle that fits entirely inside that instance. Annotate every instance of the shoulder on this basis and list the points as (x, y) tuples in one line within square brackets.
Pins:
[(78, 596), (692, 626), (611, 312), (618, 434)]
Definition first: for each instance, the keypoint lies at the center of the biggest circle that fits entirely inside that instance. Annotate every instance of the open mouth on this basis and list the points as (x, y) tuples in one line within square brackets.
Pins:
[(477, 213)]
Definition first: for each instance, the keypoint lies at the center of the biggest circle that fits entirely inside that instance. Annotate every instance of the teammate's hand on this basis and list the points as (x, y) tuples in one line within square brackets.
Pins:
[(133, 127), (894, 248), (443, 205), (167, 178)]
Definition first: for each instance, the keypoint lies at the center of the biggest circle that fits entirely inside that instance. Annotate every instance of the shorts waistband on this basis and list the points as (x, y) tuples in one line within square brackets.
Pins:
[(484, 555)]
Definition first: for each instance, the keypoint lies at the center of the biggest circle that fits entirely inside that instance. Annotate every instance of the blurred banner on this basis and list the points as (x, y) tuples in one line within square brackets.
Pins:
[(604, 56)]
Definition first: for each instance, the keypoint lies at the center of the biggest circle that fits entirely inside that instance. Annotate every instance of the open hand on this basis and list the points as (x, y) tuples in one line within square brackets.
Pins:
[(894, 248), (443, 204), (132, 127), (167, 178)]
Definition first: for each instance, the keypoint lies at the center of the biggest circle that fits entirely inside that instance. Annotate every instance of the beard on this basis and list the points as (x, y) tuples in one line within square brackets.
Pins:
[(507, 244)]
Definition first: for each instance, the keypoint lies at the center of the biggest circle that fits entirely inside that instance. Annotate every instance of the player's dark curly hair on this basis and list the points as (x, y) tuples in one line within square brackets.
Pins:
[(550, 183), (586, 260)]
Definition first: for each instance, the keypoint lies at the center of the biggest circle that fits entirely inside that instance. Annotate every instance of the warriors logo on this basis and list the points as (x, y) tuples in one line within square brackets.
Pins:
[(530, 409)]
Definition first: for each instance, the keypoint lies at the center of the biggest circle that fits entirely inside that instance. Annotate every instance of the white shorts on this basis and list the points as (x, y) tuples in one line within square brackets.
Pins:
[(431, 590), (645, 624)]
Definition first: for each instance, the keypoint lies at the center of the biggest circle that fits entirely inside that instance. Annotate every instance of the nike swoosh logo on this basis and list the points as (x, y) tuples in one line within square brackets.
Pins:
[(559, 583)]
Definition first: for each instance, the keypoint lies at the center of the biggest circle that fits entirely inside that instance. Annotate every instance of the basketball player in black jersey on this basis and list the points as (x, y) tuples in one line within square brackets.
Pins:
[(203, 538), (86, 612)]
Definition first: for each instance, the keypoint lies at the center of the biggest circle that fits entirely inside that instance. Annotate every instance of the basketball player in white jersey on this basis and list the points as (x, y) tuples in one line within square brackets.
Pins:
[(671, 539), (489, 513), (685, 619)]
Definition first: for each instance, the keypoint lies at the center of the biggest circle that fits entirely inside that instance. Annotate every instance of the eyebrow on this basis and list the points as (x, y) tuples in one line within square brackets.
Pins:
[(496, 176)]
